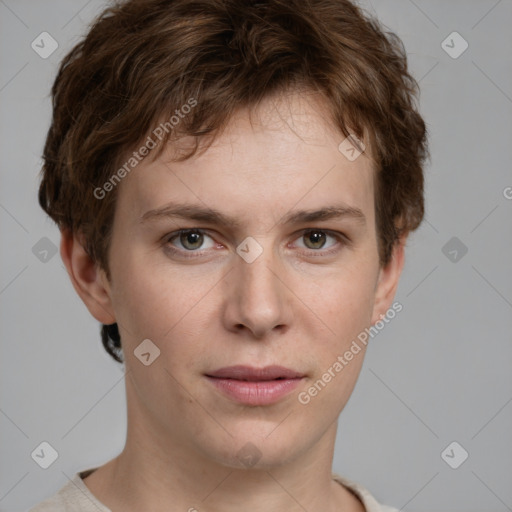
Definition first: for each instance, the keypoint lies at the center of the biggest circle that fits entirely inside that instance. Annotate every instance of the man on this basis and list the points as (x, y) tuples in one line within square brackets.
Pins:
[(234, 182)]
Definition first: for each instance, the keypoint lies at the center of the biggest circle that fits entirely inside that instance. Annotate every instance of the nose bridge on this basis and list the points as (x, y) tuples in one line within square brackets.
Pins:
[(257, 276), (256, 292)]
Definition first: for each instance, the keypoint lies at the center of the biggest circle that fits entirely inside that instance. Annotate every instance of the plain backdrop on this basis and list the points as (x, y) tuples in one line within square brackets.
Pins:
[(439, 373)]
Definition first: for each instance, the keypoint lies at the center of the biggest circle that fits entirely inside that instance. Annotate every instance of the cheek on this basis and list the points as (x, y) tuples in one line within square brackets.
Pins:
[(154, 300), (345, 309), (343, 300)]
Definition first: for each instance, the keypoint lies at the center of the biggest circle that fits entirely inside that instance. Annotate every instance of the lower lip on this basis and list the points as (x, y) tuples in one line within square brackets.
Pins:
[(255, 393)]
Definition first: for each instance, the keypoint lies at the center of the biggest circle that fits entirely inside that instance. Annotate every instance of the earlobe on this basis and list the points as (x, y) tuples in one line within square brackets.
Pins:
[(87, 277), (389, 276)]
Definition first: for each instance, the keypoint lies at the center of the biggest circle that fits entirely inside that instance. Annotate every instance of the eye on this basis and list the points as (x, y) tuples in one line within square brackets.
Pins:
[(191, 242), (316, 239), (190, 239)]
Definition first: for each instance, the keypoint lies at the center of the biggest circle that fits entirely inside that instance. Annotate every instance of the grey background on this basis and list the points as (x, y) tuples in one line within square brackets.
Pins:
[(439, 372)]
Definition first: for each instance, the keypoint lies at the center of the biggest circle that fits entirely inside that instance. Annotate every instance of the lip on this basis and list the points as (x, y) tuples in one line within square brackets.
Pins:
[(255, 386)]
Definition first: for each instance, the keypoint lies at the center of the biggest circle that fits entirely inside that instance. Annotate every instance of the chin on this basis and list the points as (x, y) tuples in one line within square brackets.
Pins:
[(257, 451)]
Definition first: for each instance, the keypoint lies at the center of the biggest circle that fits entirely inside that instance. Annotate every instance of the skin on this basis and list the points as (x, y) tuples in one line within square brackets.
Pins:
[(295, 306)]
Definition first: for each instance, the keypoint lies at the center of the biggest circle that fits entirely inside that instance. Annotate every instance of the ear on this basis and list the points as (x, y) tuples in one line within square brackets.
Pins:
[(387, 283), (89, 280)]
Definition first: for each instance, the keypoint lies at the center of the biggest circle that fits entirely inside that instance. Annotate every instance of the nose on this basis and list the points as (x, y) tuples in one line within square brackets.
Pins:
[(257, 299)]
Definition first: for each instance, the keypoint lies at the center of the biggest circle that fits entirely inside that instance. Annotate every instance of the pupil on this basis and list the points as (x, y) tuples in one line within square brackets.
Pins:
[(191, 238), (317, 237)]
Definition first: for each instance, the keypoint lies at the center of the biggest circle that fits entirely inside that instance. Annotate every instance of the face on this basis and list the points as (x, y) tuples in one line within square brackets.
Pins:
[(254, 282)]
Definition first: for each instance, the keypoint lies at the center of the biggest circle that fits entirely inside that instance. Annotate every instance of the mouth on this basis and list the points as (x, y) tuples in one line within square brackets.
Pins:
[(255, 386)]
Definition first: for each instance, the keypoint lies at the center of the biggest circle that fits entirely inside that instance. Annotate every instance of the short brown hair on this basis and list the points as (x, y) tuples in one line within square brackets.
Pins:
[(143, 59)]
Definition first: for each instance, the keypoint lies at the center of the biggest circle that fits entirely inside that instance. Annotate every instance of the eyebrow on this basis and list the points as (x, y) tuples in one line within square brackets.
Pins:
[(212, 216)]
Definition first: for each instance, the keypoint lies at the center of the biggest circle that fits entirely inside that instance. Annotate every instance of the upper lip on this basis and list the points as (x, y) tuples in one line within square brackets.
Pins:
[(255, 374)]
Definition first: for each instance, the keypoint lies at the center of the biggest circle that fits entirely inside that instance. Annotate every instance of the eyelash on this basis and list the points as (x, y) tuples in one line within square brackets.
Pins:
[(340, 237)]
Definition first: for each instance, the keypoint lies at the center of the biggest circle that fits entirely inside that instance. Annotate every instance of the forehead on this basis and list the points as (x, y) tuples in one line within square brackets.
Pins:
[(282, 154)]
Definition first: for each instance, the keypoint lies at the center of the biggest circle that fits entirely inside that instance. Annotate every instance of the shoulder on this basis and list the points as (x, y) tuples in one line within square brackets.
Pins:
[(369, 502), (74, 496), (55, 503)]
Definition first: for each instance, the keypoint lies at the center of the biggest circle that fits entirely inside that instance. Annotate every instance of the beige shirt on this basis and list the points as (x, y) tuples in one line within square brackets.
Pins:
[(75, 496)]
